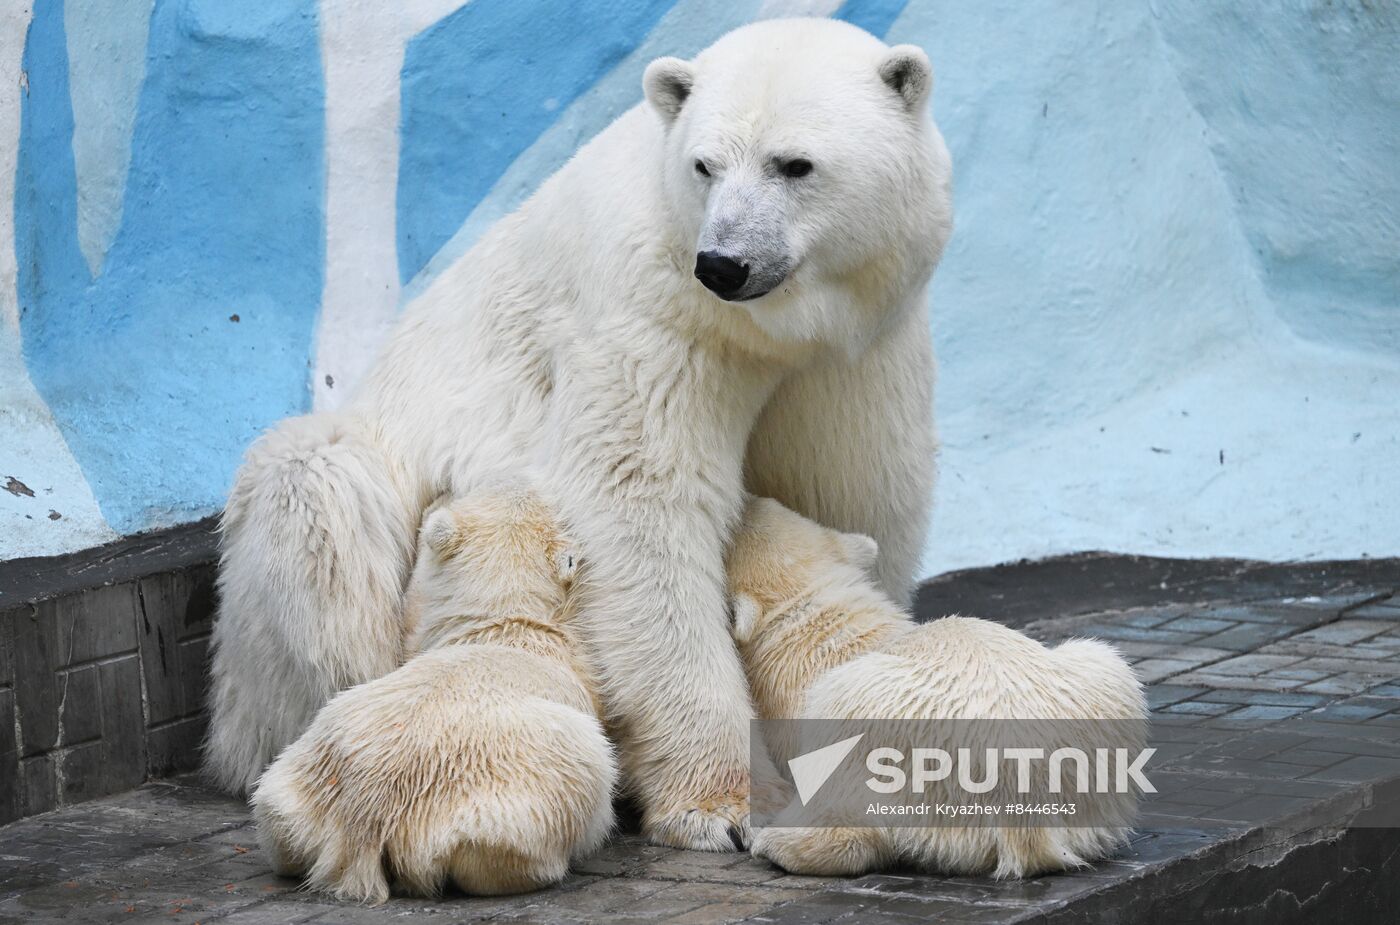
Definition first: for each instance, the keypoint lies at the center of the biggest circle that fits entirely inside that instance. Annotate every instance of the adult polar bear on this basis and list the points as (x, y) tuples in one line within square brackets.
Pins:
[(724, 287)]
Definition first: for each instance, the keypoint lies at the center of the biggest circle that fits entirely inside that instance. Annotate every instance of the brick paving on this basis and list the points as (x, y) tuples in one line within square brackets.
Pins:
[(1277, 724)]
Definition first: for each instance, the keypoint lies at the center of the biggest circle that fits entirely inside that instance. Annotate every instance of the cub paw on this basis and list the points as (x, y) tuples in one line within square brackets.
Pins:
[(826, 852)]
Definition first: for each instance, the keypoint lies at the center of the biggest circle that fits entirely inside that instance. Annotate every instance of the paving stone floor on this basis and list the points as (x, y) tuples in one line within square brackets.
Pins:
[(1277, 724)]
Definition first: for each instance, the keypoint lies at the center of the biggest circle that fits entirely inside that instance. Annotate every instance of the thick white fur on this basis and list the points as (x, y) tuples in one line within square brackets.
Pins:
[(575, 336), (819, 640), (482, 760)]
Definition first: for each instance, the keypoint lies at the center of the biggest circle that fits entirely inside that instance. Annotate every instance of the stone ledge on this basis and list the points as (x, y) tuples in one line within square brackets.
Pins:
[(1019, 593), (1275, 719), (180, 853), (30, 580)]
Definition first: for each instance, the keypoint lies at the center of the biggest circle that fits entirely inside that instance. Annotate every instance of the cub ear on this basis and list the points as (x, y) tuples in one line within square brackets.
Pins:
[(746, 613), (906, 71), (439, 530), (861, 550), (667, 82), (566, 564)]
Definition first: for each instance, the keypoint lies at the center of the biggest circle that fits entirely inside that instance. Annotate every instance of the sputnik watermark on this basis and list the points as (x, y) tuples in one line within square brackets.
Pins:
[(890, 777), (815, 768), (950, 772), (931, 765), (954, 809)]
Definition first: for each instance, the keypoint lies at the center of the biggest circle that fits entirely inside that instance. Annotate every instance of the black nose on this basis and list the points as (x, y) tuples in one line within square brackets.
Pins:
[(721, 275)]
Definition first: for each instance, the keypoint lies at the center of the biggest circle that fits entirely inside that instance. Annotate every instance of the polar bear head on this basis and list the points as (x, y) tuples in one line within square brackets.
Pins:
[(497, 551), (804, 175), (778, 556)]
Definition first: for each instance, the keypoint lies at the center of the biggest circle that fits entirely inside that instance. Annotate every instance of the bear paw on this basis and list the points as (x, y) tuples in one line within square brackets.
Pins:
[(824, 852), (720, 823)]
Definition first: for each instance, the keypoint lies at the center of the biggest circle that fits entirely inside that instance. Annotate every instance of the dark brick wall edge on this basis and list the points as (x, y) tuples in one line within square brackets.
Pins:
[(102, 689), (29, 580), (1025, 592)]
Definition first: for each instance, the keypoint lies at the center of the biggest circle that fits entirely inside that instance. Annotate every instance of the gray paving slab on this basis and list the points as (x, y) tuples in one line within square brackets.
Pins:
[(1265, 777)]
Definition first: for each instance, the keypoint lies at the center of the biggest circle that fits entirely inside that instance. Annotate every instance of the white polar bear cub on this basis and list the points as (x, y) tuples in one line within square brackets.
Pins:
[(482, 760), (819, 640), (723, 290)]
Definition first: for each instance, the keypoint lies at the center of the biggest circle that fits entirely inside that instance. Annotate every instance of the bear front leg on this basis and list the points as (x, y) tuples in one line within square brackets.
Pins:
[(646, 464), (676, 697), (851, 445)]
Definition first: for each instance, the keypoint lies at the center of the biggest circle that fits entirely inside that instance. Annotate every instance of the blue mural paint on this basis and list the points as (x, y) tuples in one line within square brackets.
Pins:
[(684, 31), (156, 390), (874, 16), (480, 86)]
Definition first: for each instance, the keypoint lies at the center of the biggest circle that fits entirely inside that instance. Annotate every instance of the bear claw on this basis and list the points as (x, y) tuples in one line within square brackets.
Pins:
[(722, 828)]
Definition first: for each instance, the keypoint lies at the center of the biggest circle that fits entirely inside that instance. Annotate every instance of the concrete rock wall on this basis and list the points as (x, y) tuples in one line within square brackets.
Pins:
[(1168, 322)]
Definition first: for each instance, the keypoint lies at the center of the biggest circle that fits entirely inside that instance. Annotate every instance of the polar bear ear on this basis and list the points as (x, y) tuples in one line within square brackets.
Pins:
[(746, 612), (906, 71), (439, 530), (566, 564), (667, 82), (861, 550)]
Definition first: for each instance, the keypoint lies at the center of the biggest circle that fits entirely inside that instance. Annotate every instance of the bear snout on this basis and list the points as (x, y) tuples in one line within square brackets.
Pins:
[(722, 275)]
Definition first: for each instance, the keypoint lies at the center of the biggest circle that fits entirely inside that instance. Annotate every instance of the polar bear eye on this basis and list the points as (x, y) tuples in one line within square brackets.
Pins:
[(797, 167), (701, 169)]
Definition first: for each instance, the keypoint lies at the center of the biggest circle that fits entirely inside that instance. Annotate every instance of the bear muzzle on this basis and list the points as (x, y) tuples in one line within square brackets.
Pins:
[(724, 276)]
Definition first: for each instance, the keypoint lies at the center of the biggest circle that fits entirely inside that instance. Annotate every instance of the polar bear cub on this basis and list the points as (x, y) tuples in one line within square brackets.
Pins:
[(818, 640), (482, 760)]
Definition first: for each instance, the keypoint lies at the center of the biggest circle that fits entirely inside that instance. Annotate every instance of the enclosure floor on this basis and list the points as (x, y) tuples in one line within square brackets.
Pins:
[(1277, 723)]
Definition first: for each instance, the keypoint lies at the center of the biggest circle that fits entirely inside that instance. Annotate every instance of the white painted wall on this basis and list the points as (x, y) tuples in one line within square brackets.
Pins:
[(29, 440)]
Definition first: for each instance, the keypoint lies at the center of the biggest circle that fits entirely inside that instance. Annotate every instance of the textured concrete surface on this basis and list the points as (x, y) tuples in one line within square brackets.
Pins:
[(1276, 721)]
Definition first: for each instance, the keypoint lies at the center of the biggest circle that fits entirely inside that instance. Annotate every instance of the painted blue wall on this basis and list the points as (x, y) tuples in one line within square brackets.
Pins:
[(480, 86), (1168, 321), (195, 333)]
